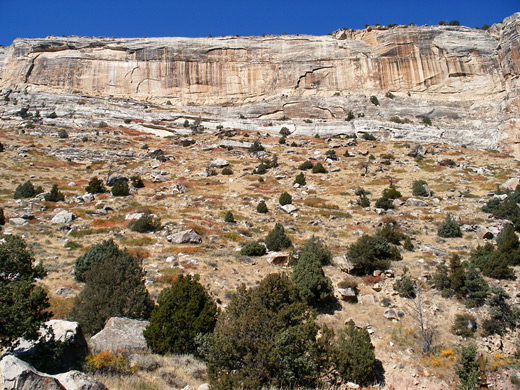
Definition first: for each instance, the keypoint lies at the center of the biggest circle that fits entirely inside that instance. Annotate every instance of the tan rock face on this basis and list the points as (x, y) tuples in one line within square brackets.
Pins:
[(448, 72)]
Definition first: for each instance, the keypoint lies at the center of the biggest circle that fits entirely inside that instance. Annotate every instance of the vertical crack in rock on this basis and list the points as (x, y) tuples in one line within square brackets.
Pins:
[(310, 72), (31, 67)]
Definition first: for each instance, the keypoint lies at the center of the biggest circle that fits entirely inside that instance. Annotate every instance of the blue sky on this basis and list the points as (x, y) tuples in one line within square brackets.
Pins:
[(199, 18)]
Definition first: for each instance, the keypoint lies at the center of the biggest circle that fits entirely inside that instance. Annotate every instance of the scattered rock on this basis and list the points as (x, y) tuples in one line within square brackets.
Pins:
[(218, 163), (347, 294), (511, 184), (17, 221), (414, 202), (277, 258), (178, 188), (121, 333), (289, 208), (391, 314), (368, 299), (16, 374), (63, 217), (186, 236), (114, 178), (75, 380), (417, 151)]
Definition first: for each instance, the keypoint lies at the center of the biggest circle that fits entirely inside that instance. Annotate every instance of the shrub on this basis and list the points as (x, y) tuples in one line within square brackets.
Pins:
[(2, 216), (95, 186), (184, 311), (426, 121), (136, 181), (266, 337), (282, 141), (374, 100), (253, 249), (62, 134), (405, 286), (331, 154), (145, 224), (468, 370), (420, 188), (353, 355), (277, 239), (465, 325), (262, 207), (120, 188), (370, 253), (26, 190), (1, 147), (114, 286), (54, 195), (256, 146), (384, 203), (408, 244), (229, 218), (186, 123), (284, 131), (109, 363), (305, 165), (285, 198), (501, 315), (368, 137), (300, 179), (94, 255), (363, 201), (227, 171), (24, 304), (318, 248), (315, 288), (449, 228), (350, 116), (318, 168)]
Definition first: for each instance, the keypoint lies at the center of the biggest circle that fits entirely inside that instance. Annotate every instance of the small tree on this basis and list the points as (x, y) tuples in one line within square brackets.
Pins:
[(262, 207), (285, 131), (95, 186), (253, 249), (370, 253), (94, 255), (300, 179), (353, 355), (315, 288), (501, 315), (277, 239), (256, 146), (54, 195), (285, 198), (114, 286), (318, 168), (229, 218), (317, 247), (405, 285), (184, 311), (306, 165), (120, 188), (419, 188), (136, 181), (374, 100), (26, 190), (23, 304), (467, 370), (449, 228), (145, 224), (2, 217)]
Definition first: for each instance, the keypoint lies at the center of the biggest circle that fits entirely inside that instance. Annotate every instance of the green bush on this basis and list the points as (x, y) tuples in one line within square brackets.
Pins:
[(120, 188), (318, 168), (95, 186), (229, 218), (354, 355), (426, 121), (350, 116), (370, 253), (253, 249), (62, 134), (184, 311), (26, 190), (285, 198), (1, 147), (405, 286), (114, 286), (468, 370), (419, 189), (23, 303), (300, 179), (318, 248), (305, 165), (465, 325), (501, 315), (284, 131), (363, 201), (282, 141), (136, 181), (2, 216), (256, 146), (408, 244), (315, 288), (384, 203), (54, 195), (277, 239), (262, 207), (94, 255), (374, 100), (449, 228), (266, 338), (145, 224), (368, 137)]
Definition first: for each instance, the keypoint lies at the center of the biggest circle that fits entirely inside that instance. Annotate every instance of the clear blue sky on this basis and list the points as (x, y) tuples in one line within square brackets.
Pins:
[(198, 18)]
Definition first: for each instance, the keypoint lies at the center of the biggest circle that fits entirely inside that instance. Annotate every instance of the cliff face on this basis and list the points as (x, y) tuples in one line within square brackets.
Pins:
[(448, 73)]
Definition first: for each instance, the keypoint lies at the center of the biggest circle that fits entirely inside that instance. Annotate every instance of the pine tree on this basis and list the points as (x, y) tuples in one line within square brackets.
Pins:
[(467, 369), (277, 239), (315, 288), (54, 195), (317, 247)]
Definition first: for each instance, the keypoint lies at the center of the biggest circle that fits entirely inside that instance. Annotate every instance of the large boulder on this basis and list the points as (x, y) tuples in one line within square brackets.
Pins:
[(75, 380), (63, 217), (121, 333), (73, 349), (15, 374), (218, 163), (186, 236)]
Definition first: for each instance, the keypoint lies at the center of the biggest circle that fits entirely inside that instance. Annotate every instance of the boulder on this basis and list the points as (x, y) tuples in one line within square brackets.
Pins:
[(132, 216), (63, 217), (277, 258), (115, 177), (347, 294), (414, 202), (184, 237), (17, 221), (120, 333), (179, 188), (87, 198), (289, 208), (218, 163), (417, 151), (75, 380), (67, 332), (204, 386), (391, 314), (369, 299), (343, 263), (484, 233), (511, 183), (15, 374)]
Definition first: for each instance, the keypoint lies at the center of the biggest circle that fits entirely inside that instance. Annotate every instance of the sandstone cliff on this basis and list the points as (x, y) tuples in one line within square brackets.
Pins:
[(465, 80)]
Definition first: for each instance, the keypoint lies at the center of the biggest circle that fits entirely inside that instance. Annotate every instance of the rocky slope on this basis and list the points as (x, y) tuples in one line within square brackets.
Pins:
[(465, 80)]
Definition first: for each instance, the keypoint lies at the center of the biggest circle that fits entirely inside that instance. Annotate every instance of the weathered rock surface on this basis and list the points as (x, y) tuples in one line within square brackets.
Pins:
[(63, 217), (120, 334), (184, 237), (75, 380), (464, 79)]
